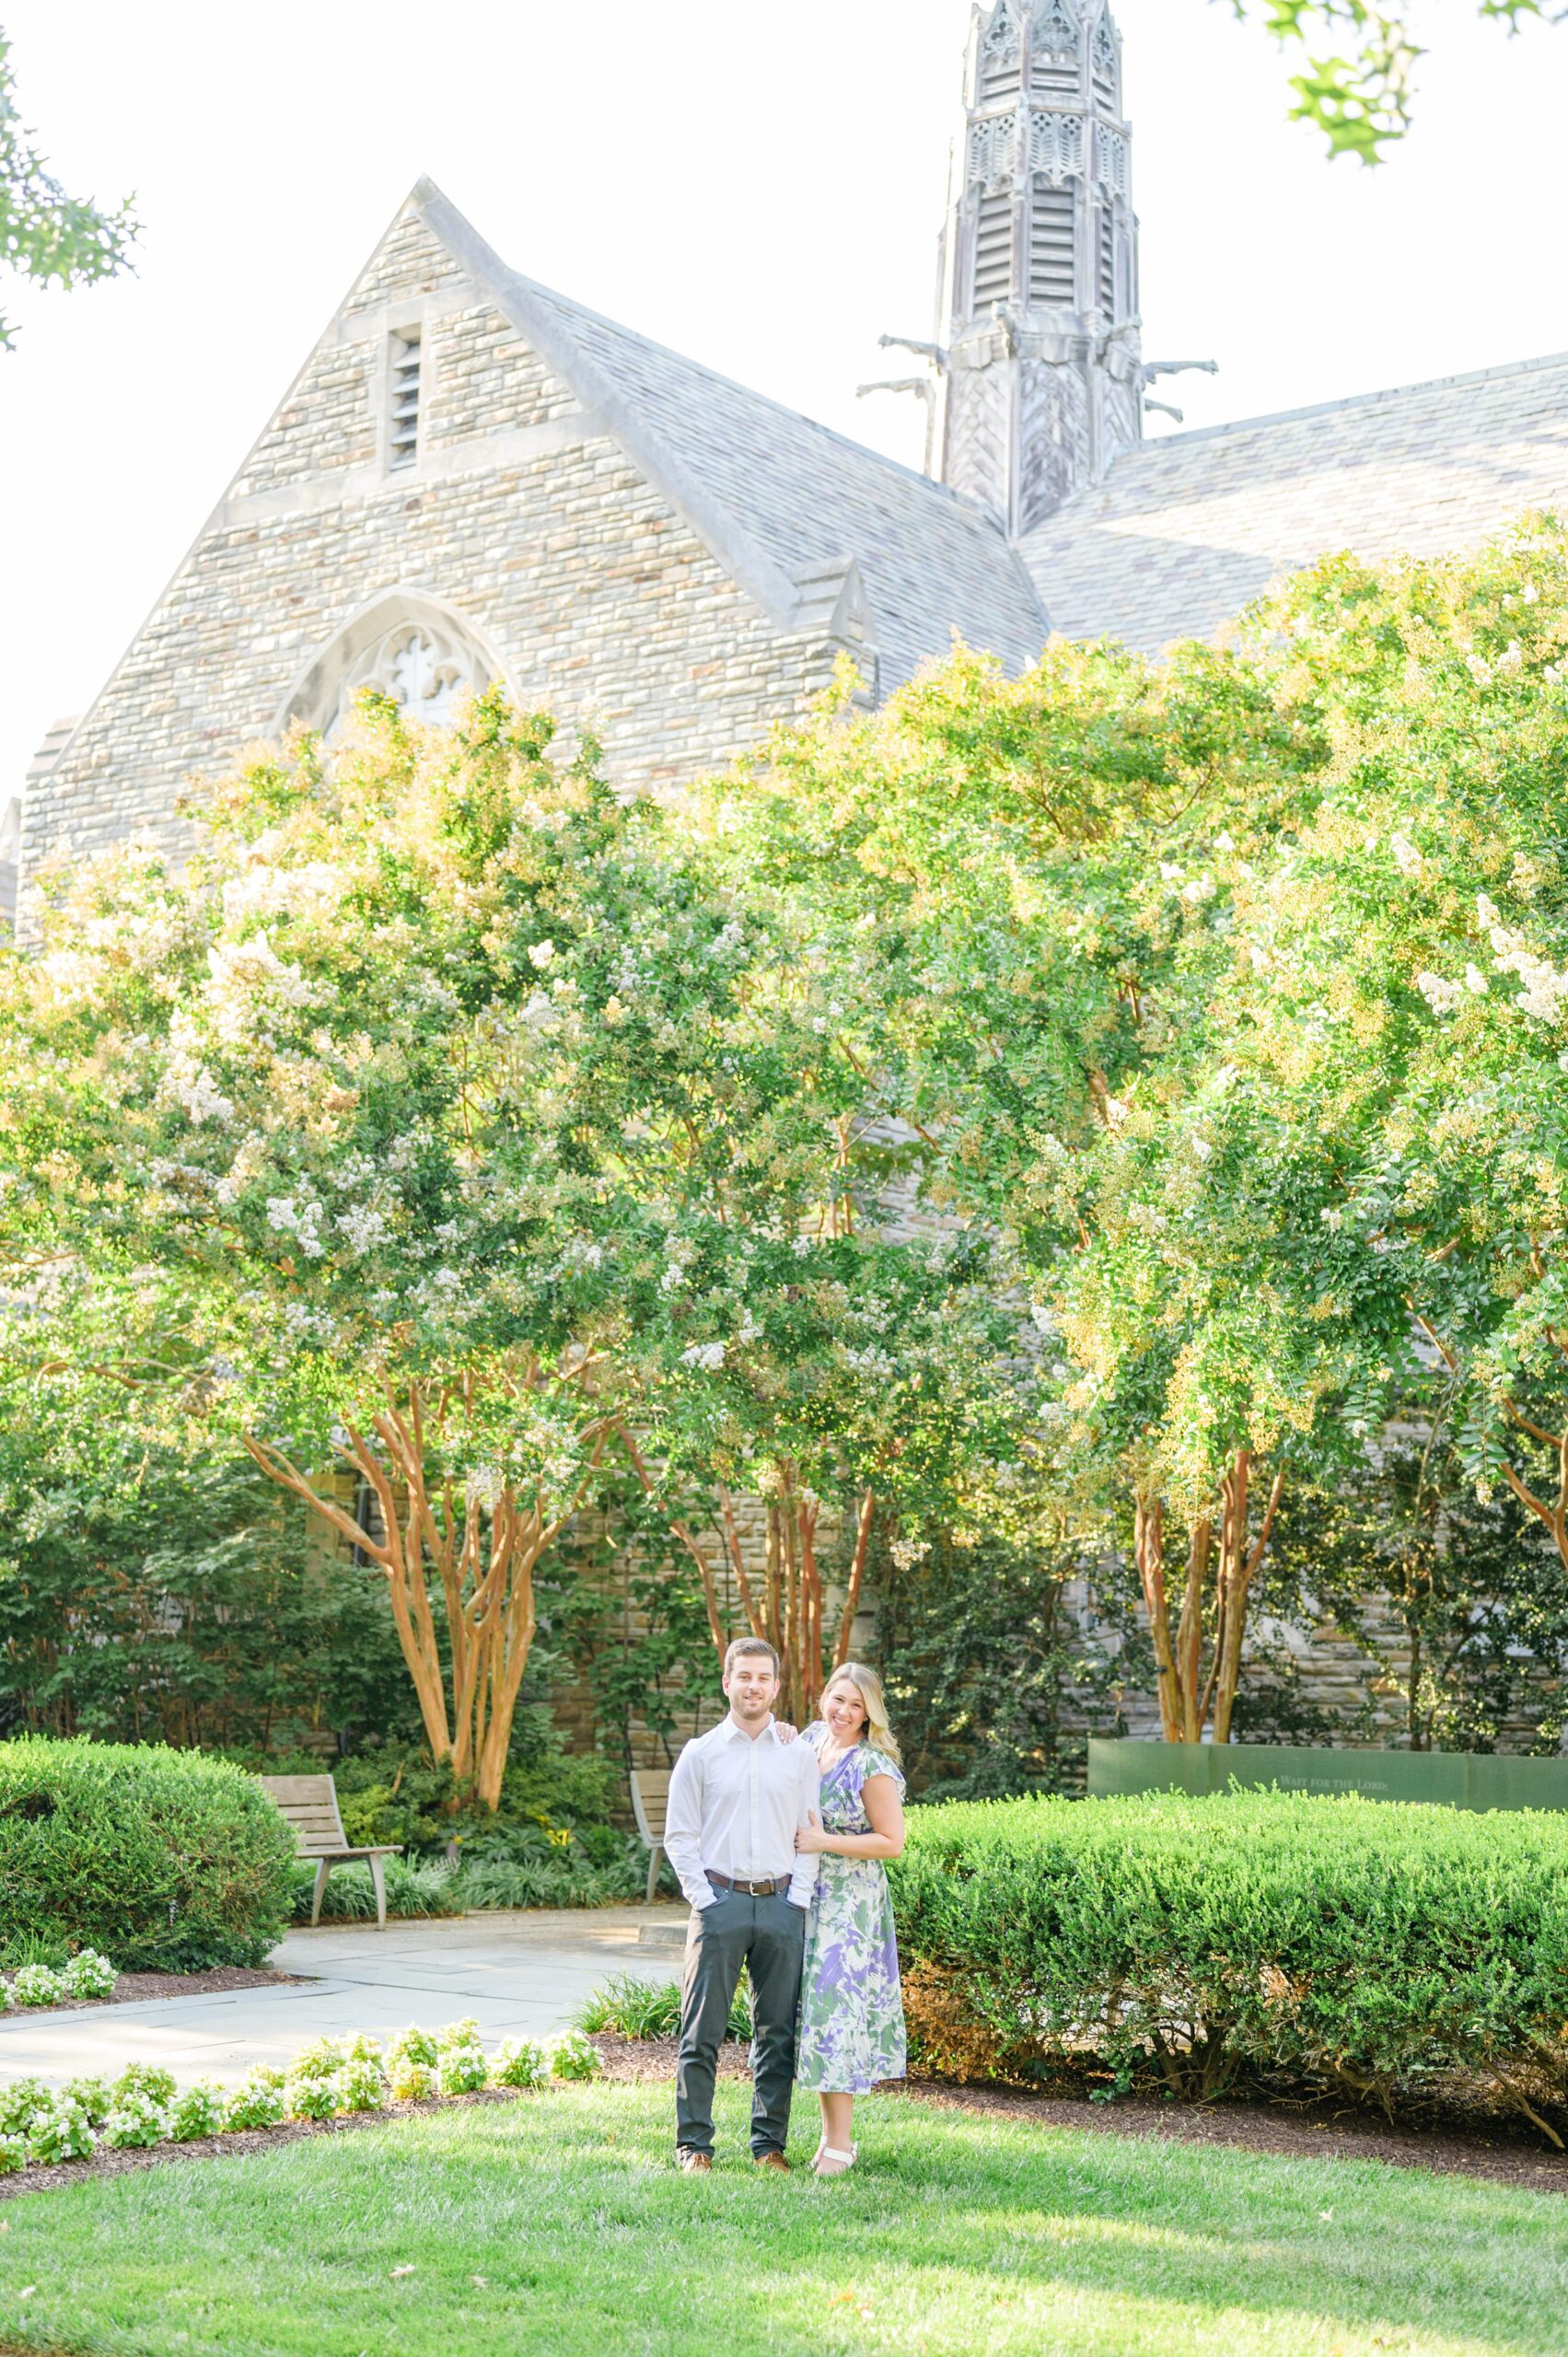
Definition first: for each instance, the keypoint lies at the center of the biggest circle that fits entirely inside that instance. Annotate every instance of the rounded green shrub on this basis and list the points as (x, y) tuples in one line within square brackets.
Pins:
[(168, 1860), (1274, 1941)]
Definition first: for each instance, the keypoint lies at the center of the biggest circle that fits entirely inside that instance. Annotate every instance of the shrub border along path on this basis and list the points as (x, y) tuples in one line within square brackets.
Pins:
[(1303, 2133)]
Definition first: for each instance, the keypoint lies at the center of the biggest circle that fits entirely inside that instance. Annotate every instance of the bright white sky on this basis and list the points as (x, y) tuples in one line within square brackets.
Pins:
[(756, 185)]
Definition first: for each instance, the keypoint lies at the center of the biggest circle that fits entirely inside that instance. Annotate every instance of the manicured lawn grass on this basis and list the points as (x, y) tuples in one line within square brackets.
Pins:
[(555, 2227)]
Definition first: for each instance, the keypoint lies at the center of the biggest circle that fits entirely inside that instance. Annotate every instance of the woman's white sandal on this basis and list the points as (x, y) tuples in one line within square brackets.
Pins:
[(831, 2152)]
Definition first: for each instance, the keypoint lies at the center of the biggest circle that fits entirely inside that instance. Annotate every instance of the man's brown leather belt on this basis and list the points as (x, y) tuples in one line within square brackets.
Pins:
[(749, 1889)]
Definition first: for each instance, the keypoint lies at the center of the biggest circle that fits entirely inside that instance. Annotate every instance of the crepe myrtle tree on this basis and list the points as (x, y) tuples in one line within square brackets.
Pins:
[(376, 1086), (1207, 1364), (797, 1327), (1411, 975), (855, 1382), (1371, 1118), (1009, 888), (1022, 891)]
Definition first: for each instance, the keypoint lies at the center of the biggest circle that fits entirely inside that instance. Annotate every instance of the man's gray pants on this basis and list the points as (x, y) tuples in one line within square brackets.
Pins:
[(767, 1935)]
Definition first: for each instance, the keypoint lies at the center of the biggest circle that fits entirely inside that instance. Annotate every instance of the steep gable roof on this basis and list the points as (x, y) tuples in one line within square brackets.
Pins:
[(779, 499), (1189, 529)]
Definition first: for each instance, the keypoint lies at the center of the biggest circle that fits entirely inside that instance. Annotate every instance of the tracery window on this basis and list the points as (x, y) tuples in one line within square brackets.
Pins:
[(420, 666), (410, 646)]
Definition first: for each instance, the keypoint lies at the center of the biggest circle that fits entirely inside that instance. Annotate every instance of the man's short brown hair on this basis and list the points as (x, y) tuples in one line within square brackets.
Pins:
[(750, 1645)]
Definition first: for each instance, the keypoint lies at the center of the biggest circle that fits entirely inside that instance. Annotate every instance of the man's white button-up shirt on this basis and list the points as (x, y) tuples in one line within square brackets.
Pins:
[(736, 1802)]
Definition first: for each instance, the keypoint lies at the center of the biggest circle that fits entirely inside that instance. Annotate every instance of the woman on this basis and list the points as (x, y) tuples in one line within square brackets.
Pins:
[(852, 2013)]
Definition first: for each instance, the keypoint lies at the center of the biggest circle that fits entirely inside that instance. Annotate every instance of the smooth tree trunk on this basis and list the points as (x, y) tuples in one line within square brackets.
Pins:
[(788, 1610), (1217, 1587), (470, 1557), (1552, 1513)]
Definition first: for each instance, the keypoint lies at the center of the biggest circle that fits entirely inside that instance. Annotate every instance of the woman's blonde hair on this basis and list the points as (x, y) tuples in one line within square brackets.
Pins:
[(868, 1686)]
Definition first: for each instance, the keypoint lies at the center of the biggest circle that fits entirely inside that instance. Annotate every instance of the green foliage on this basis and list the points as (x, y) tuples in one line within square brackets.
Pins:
[(166, 1860), (624, 2006), (981, 1658), (519, 2062), (1393, 1953), (198, 2110), (20, 2097), (394, 1792), (570, 2056), (1476, 1584), (1362, 102), (59, 2130), (547, 1843), (256, 2102), (421, 1887), (153, 1586), (45, 235), (96, 2097)]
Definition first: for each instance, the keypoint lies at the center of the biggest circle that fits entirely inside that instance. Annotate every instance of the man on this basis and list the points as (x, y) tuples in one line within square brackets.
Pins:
[(737, 1798)]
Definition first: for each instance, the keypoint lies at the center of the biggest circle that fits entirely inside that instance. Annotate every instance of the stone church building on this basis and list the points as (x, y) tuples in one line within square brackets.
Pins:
[(474, 478)]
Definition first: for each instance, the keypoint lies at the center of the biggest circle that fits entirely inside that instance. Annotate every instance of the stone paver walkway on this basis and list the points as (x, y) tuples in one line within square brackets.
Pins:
[(518, 1974)]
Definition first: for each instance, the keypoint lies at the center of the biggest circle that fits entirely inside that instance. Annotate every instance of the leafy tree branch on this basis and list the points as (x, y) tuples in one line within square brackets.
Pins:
[(45, 235)]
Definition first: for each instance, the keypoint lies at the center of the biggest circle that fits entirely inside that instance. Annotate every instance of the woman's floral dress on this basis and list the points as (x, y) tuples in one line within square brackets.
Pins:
[(852, 2011)]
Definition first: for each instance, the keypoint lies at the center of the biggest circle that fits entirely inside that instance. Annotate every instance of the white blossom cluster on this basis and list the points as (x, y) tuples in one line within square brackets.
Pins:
[(314, 888), (246, 980), (1544, 997), (300, 1218), (362, 1227)]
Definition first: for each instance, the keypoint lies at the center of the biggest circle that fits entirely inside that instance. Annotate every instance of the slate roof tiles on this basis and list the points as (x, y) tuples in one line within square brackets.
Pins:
[(1190, 527)]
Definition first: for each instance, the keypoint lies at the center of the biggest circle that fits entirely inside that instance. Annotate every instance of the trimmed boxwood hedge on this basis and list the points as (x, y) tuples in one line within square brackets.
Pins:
[(167, 1861), (1272, 1941)]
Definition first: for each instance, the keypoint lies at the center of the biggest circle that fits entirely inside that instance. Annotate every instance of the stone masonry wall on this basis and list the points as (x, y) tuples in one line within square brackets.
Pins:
[(522, 514)]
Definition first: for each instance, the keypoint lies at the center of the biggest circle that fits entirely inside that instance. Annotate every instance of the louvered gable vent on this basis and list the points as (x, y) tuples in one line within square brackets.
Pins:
[(403, 428)]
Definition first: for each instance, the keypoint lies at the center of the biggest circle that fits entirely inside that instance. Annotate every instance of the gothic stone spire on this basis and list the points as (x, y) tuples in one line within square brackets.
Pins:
[(1040, 263)]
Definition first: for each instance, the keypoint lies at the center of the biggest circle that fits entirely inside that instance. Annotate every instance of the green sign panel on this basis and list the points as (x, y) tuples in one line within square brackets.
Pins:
[(1458, 1779)]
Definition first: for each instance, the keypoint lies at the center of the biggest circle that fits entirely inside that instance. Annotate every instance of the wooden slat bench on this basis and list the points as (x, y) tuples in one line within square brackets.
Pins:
[(650, 1798), (310, 1804)]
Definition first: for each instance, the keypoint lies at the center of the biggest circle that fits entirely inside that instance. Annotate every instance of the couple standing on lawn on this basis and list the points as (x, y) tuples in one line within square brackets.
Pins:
[(779, 1845)]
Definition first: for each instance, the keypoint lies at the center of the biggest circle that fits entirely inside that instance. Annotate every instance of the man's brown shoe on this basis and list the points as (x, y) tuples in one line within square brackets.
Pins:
[(772, 2161), (693, 2164)]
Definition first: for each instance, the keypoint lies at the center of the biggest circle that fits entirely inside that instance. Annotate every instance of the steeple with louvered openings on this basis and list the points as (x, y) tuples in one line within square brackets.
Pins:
[(1042, 381)]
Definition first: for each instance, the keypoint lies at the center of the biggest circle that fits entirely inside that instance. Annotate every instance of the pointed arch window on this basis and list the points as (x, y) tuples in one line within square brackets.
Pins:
[(411, 646)]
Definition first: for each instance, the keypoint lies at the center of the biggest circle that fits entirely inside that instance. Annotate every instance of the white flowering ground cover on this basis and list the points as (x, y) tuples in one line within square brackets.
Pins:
[(556, 2226), (42, 2127), (86, 1976)]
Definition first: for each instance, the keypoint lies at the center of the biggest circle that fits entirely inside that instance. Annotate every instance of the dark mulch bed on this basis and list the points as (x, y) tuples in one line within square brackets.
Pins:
[(1306, 2132), (134, 1988), (1313, 2131)]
